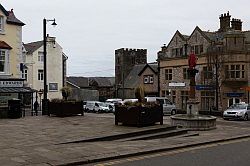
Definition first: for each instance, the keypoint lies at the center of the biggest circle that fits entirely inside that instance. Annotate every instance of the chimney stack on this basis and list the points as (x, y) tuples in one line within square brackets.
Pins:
[(225, 22), (236, 24)]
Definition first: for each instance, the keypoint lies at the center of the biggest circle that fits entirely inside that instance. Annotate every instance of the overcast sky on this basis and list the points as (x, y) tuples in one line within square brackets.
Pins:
[(90, 30)]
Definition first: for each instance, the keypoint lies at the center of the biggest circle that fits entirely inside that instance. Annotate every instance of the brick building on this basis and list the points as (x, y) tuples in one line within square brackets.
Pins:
[(223, 65)]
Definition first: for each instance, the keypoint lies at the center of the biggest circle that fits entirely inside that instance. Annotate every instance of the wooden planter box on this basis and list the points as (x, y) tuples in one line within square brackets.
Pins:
[(65, 108), (138, 115)]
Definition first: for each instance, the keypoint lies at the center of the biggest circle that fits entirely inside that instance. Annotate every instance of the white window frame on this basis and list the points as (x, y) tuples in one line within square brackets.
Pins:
[(6, 61), (25, 74), (151, 79), (1, 23), (40, 75), (146, 80), (40, 57)]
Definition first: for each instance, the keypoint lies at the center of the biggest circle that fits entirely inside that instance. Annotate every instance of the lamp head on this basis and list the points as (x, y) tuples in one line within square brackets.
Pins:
[(54, 23)]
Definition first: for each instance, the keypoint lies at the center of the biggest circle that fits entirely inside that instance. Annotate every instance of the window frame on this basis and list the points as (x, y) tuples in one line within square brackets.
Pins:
[(40, 57), (186, 75), (148, 79), (6, 61), (1, 23), (168, 74), (235, 71), (25, 74), (40, 75), (207, 72)]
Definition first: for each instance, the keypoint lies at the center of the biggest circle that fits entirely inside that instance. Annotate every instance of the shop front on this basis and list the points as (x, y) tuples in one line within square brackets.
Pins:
[(13, 89)]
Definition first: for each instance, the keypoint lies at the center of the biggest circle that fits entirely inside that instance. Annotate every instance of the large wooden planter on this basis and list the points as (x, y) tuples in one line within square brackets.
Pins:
[(65, 108), (138, 115)]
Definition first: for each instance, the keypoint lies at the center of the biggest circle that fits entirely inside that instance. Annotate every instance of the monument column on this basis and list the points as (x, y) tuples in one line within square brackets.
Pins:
[(192, 103)]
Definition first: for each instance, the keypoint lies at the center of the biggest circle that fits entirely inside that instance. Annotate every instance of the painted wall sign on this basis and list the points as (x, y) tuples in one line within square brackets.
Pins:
[(234, 94), (12, 84), (204, 87), (177, 84)]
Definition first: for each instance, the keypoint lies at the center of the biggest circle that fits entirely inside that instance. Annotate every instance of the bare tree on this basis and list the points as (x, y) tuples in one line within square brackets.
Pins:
[(215, 60)]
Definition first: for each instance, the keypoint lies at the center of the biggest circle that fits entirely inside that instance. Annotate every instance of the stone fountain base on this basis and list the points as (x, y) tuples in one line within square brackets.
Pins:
[(194, 122)]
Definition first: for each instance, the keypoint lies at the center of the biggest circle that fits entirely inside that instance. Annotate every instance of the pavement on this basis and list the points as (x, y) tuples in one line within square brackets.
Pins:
[(40, 140)]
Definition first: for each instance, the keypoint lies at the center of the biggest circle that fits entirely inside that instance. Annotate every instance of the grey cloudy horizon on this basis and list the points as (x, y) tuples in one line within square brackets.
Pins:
[(91, 30)]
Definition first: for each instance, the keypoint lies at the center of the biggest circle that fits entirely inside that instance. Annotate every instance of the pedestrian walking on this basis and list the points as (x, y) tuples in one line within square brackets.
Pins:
[(36, 105)]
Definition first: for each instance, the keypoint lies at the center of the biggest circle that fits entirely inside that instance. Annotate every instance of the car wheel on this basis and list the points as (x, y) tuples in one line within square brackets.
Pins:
[(245, 117), (173, 112)]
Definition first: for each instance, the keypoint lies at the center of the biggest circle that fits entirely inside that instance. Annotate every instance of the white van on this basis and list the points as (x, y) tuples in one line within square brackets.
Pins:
[(96, 106), (168, 106)]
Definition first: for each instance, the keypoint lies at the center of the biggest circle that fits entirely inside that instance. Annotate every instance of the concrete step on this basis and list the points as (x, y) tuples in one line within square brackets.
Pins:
[(124, 135), (164, 134)]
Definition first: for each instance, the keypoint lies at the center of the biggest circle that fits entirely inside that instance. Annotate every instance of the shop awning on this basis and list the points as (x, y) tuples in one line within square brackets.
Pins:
[(16, 90)]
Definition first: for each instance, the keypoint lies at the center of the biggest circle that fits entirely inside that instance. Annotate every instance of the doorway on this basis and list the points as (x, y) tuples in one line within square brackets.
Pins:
[(232, 101)]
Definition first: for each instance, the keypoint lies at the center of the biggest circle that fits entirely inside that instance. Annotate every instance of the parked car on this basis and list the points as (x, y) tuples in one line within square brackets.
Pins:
[(115, 101), (237, 111), (111, 107), (168, 106), (96, 106), (84, 105), (129, 100), (112, 102)]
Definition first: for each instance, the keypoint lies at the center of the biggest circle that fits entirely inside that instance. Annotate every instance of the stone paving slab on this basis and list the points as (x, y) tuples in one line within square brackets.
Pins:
[(35, 140)]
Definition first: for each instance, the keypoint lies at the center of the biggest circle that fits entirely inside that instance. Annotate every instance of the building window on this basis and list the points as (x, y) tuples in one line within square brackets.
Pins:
[(1, 23), (185, 73), (235, 71), (207, 100), (148, 79), (181, 51), (40, 75), (40, 56), (208, 73), (53, 86), (25, 74), (168, 74), (184, 99), (173, 52), (196, 49), (3, 60), (201, 49)]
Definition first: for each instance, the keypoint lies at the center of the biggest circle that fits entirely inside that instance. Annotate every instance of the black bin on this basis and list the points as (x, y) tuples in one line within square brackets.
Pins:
[(14, 108)]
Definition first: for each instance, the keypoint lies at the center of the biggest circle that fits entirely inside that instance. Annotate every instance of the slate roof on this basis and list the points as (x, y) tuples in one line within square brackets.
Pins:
[(31, 47), (132, 80), (152, 66), (102, 81), (82, 82), (11, 19)]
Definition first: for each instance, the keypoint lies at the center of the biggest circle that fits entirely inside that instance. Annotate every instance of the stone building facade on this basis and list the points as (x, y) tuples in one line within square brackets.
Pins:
[(222, 61), (125, 60)]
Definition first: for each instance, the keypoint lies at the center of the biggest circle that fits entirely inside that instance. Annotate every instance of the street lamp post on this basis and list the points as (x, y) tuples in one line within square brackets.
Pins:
[(45, 95)]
